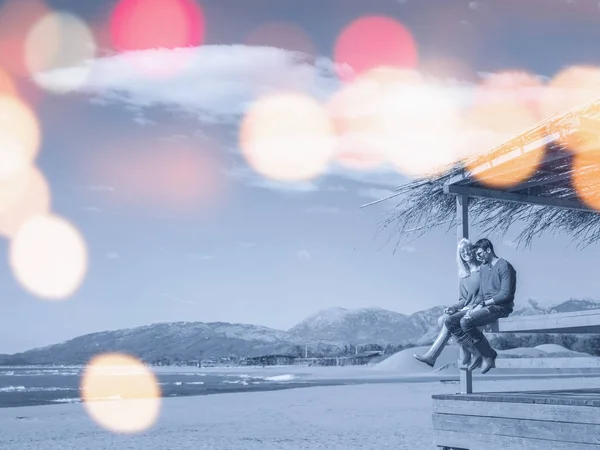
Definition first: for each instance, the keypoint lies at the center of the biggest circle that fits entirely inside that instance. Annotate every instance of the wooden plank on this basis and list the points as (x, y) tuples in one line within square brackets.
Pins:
[(575, 322), (579, 397), (481, 441), (513, 197), (582, 433), (579, 362), (524, 411)]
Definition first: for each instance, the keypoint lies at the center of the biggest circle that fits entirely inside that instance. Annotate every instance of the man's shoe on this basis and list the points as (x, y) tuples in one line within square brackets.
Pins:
[(424, 359), (488, 363), (476, 361)]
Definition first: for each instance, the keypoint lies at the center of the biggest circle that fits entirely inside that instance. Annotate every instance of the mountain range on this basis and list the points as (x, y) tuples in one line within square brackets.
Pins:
[(323, 332)]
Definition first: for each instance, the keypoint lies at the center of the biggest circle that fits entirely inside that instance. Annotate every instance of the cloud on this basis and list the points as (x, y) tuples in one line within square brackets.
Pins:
[(303, 255), (200, 257), (322, 210), (248, 244), (218, 83), (113, 255)]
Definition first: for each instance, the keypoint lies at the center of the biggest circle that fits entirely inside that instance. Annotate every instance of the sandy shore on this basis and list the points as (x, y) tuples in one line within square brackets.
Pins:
[(370, 416)]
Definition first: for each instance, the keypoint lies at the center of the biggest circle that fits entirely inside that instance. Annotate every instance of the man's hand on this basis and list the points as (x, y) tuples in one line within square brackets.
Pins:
[(450, 310)]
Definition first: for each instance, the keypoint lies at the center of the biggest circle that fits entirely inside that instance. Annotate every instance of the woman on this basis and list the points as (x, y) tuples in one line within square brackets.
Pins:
[(468, 272)]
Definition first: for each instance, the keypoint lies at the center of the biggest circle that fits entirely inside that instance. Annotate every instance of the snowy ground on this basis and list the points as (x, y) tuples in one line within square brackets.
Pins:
[(369, 416)]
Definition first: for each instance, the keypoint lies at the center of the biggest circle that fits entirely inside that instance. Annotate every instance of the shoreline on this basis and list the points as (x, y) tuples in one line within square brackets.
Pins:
[(312, 381)]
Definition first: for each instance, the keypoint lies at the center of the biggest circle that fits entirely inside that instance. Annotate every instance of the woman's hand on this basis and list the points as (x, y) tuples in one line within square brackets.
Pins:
[(450, 310)]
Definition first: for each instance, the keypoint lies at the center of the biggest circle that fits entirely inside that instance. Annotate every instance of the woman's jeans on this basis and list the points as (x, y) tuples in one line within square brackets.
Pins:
[(466, 327)]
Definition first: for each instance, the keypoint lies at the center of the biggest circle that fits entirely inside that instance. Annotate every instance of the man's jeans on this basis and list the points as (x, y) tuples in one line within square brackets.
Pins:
[(465, 326)]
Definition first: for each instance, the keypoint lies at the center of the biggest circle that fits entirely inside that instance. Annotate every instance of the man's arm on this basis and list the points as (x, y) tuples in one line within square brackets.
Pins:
[(506, 292)]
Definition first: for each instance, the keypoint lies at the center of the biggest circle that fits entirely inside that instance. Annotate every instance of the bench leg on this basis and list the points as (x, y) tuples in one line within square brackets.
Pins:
[(466, 377)]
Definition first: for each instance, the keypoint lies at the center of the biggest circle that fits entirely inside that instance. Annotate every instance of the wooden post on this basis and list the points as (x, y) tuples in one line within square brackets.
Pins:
[(462, 231)]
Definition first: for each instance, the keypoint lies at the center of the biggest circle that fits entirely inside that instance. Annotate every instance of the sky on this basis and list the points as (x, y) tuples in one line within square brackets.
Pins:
[(203, 234)]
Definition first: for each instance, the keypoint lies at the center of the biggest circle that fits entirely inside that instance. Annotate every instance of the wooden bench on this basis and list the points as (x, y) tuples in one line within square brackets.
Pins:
[(546, 420)]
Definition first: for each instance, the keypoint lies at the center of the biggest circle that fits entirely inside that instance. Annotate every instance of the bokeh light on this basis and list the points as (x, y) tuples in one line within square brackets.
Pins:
[(16, 19), (571, 88), (120, 393), (504, 106), (60, 40), (287, 137), (19, 136), (27, 196), (585, 178), (156, 24), (399, 116), (373, 41), (516, 87), (7, 86), (48, 257), (161, 176)]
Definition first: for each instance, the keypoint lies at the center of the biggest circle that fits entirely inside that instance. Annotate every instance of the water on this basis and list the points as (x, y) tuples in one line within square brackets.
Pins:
[(29, 386)]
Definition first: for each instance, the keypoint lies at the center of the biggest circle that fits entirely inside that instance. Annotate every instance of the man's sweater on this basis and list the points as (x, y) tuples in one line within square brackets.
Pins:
[(499, 282)]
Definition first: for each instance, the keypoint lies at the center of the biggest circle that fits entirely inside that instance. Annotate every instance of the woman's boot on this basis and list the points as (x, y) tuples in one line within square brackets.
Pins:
[(434, 352), (466, 342), (465, 356)]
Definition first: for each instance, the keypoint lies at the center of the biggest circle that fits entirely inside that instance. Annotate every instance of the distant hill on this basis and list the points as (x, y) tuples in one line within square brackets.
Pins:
[(325, 331), (365, 326), (183, 340)]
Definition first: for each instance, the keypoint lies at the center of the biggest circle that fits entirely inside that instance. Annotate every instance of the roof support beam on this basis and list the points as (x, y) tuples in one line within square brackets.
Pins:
[(462, 232), (513, 197), (542, 182)]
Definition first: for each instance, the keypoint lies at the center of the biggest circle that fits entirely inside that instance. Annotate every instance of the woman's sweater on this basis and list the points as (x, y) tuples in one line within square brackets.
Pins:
[(469, 290)]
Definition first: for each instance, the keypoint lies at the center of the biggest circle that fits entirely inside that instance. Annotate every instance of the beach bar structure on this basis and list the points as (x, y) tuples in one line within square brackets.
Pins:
[(546, 179)]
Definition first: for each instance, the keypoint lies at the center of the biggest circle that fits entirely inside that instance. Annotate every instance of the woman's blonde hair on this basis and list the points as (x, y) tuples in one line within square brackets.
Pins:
[(463, 267)]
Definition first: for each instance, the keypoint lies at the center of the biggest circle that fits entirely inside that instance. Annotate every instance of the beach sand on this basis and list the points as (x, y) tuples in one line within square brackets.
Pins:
[(369, 416)]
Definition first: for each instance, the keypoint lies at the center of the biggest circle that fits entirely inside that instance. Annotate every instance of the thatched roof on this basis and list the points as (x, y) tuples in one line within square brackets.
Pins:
[(423, 204)]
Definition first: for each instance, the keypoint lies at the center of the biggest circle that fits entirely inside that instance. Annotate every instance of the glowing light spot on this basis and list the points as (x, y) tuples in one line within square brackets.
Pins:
[(120, 393), (33, 199), (513, 86), (586, 179), (504, 106), (16, 19), (371, 42), (48, 257), (60, 40), (287, 137), (155, 24), (399, 116), (571, 88), (7, 86), (159, 175), (13, 189), (19, 136)]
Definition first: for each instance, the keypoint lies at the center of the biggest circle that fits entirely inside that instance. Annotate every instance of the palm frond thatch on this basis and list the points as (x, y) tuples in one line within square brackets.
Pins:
[(422, 204)]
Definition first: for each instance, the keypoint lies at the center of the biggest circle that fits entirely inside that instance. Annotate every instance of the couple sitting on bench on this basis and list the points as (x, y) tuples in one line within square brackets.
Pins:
[(487, 291)]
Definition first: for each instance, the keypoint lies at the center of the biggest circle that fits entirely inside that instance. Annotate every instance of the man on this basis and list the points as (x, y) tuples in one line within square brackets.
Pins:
[(495, 300)]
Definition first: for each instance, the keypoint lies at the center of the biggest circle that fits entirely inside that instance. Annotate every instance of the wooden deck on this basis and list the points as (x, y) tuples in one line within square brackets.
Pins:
[(545, 420)]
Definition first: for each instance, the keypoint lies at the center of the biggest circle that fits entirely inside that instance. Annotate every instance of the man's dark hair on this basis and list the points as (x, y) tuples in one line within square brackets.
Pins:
[(484, 244)]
